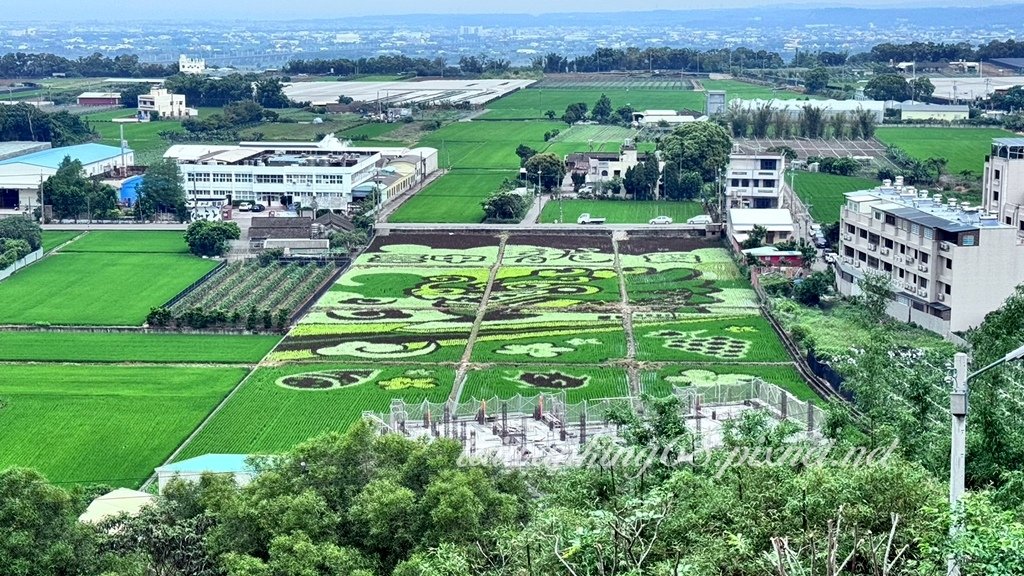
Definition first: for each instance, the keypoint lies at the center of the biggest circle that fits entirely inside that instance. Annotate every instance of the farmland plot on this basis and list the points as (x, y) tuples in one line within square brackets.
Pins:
[(133, 347), (659, 383), (670, 337), (242, 285), (103, 424), (550, 337), (283, 406), (577, 383)]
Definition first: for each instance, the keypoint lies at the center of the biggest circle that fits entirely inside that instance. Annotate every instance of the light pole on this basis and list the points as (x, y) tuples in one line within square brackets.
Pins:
[(538, 192), (958, 452)]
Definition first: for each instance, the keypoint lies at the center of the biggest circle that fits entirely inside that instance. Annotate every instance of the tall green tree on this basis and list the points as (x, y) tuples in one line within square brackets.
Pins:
[(888, 87), (816, 79), (602, 111), (550, 167), (162, 189), (701, 147), (575, 113), (206, 238)]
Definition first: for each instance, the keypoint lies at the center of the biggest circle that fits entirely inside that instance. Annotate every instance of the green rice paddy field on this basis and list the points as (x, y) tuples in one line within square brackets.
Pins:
[(130, 242), (619, 212), (103, 425), (132, 347), (54, 238), (824, 192), (965, 148)]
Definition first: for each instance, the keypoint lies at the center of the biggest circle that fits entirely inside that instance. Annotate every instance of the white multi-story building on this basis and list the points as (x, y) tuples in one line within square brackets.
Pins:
[(604, 166), (755, 180), (188, 65), (329, 174), (165, 104), (1003, 182), (950, 264)]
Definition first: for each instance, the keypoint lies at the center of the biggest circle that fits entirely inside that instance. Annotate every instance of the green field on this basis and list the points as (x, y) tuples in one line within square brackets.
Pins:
[(659, 383), (370, 131), (267, 416), (964, 148), (103, 424), (454, 197), (620, 211), (54, 238), (534, 102), (824, 192), (131, 242), (132, 347), (143, 137), (578, 383), (96, 288)]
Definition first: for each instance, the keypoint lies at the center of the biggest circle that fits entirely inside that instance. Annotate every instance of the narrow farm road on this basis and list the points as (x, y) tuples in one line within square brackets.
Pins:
[(632, 372), (462, 369)]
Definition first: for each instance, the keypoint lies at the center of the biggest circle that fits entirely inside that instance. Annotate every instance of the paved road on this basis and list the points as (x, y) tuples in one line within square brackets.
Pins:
[(671, 228)]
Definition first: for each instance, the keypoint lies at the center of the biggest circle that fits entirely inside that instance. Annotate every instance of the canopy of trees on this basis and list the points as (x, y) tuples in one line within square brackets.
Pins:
[(28, 123), (162, 190), (72, 195), (701, 147), (888, 87), (22, 65), (550, 167), (206, 238), (211, 92)]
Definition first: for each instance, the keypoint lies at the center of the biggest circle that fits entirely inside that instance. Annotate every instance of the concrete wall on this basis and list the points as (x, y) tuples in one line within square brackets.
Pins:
[(19, 264)]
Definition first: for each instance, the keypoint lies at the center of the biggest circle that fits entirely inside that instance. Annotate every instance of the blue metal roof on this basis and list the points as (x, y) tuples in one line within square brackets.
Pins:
[(85, 153), (216, 463)]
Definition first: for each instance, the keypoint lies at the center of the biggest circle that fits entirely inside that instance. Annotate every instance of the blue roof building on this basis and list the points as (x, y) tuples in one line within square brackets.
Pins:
[(191, 470), (21, 173)]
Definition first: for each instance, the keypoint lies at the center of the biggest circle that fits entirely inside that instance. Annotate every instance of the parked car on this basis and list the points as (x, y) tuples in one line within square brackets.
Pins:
[(588, 189), (660, 220), (586, 218), (258, 207), (245, 207), (702, 219)]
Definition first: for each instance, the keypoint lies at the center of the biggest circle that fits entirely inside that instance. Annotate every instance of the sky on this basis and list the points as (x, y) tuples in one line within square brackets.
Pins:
[(334, 9)]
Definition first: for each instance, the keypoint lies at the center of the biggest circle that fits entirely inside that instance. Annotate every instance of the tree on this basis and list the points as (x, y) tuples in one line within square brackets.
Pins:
[(525, 153), (505, 206), (130, 94), (269, 93), (921, 88), (578, 180), (575, 113), (602, 112), (816, 79), (161, 190), (71, 194), (701, 147), (550, 114), (809, 291), (938, 164), (624, 114), (876, 292), (551, 168), (206, 238), (888, 87), (40, 534), (18, 228), (756, 238), (1011, 101)]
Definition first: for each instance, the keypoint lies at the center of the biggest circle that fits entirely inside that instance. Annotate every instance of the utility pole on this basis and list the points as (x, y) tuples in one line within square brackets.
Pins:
[(957, 457)]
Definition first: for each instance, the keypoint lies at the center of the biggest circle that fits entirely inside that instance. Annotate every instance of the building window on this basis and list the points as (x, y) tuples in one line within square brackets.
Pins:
[(995, 195), (850, 229), (968, 240), (768, 183), (923, 282), (604, 172), (863, 233), (915, 229), (887, 243), (949, 263), (270, 179), (886, 266), (221, 177), (848, 252), (902, 273), (948, 289), (745, 183), (769, 164), (924, 258), (243, 177), (735, 182), (929, 233), (997, 173), (890, 219), (878, 215)]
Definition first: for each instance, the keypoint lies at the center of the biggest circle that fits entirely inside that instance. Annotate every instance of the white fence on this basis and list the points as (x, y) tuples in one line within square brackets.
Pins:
[(19, 264), (698, 401)]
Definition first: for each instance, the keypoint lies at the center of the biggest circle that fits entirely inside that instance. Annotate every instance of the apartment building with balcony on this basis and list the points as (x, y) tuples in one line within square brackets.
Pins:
[(1003, 182), (950, 264), (755, 181)]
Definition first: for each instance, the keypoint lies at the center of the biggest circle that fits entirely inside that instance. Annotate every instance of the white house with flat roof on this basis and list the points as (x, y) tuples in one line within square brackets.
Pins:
[(165, 104), (21, 175), (950, 264), (755, 180), (777, 221), (330, 174)]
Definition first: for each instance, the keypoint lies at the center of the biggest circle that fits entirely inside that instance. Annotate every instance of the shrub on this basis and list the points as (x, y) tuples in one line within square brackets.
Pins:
[(270, 256)]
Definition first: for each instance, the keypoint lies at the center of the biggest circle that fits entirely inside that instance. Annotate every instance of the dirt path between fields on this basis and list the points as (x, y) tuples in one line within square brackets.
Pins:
[(463, 368)]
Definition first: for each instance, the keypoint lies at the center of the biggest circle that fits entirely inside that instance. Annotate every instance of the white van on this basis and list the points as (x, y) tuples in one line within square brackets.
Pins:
[(702, 219)]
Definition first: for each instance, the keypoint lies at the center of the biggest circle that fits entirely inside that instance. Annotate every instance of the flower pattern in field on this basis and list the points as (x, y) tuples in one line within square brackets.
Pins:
[(564, 287), (407, 288), (525, 255), (418, 379), (698, 342), (326, 379), (707, 378), (554, 379)]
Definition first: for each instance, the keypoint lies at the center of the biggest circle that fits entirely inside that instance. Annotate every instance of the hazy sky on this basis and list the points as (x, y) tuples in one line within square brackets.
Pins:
[(333, 9)]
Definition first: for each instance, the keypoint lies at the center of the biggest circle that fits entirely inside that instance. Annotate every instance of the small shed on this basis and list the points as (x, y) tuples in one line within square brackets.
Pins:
[(280, 227), (192, 470), (99, 99), (772, 256), (114, 503)]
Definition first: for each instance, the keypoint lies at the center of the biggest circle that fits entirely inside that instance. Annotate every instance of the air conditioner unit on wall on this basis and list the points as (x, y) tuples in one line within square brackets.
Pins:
[(885, 251), (944, 246), (872, 247), (942, 297)]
